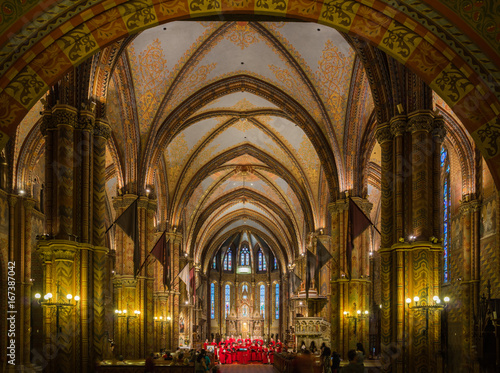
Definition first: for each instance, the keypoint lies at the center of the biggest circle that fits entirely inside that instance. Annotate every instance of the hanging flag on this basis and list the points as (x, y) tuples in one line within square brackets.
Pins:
[(296, 281), (129, 224), (358, 222), (167, 266), (310, 270), (161, 251), (158, 251), (184, 276), (192, 280), (323, 254)]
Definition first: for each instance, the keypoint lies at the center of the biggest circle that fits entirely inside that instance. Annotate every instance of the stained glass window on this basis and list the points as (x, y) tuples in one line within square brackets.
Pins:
[(445, 166), (244, 288), (262, 301), (228, 262), (212, 300), (245, 257), (262, 261), (214, 263), (277, 301), (275, 263), (228, 300)]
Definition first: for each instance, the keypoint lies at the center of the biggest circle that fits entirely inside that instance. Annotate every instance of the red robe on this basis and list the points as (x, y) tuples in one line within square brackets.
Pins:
[(229, 356), (271, 355), (259, 353), (253, 348), (246, 356), (222, 356), (264, 356), (205, 345), (279, 346)]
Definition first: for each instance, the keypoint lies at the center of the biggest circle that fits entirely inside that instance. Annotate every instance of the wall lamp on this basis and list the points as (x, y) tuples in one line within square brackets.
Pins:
[(124, 313), (357, 316), (424, 306), (57, 304)]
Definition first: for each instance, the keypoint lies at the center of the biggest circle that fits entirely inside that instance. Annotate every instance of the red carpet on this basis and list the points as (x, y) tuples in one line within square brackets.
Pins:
[(250, 368)]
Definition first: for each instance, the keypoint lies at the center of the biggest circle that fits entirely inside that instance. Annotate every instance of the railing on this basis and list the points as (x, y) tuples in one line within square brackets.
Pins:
[(137, 366)]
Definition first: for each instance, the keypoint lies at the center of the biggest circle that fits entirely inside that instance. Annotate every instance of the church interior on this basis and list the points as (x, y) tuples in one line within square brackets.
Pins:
[(178, 173)]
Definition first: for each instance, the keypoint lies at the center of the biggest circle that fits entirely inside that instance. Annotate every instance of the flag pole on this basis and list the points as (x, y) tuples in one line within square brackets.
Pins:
[(145, 260), (107, 230)]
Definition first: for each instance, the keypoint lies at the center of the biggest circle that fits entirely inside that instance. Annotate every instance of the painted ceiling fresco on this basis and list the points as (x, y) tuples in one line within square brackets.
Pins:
[(239, 157)]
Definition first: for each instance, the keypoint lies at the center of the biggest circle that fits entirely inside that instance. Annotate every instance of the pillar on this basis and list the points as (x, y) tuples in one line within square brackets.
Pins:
[(348, 294), (410, 255), (469, 292)]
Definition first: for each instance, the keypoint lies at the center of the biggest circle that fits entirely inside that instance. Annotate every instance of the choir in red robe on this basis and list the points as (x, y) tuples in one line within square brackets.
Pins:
[(245, 351)]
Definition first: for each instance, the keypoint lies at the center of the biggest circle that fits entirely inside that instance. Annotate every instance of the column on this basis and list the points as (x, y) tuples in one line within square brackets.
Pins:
[(348, 295), (469, 219), (101, 134), (410, 256), (61, 323)]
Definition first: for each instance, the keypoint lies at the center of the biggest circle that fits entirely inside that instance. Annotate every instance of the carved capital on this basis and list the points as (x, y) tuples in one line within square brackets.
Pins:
[(85, 121), (365, 205), (383, 134), (399, 125), (467, 205), (29, 204), (64, 254), (337, 206), (64, 115), (102, 128), (421, 122), (47, 123), (439, 131), (12, 201), (128, 282)]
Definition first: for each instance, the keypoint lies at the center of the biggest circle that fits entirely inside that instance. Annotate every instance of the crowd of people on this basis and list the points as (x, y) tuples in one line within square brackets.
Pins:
[(329, 360), (244, 351), (236, 350)]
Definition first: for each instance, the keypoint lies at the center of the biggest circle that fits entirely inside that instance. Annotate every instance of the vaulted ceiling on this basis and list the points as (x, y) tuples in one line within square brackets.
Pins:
[(236, 126), (236, 122)]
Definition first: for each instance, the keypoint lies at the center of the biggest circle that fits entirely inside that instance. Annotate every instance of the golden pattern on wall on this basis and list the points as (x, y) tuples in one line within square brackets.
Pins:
[(242, 35), (149, 70), (333, 78)]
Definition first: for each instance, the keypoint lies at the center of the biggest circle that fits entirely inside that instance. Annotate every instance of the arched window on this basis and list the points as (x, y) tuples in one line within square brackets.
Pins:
[(212, 300), (228, 261), (261, 260), (277, 301), (275, 263), (245, 257), (263, 301), (214, 262), (228, 300), (445, 169)]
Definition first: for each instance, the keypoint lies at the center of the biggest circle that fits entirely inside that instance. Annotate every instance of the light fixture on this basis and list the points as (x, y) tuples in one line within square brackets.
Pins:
[(169, 318), (359, 315), (123, 313), (58, 304), (424, 307), (22, 192)]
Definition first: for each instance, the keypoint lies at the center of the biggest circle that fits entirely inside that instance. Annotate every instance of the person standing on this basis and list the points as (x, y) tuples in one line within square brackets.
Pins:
[(353, 366)]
